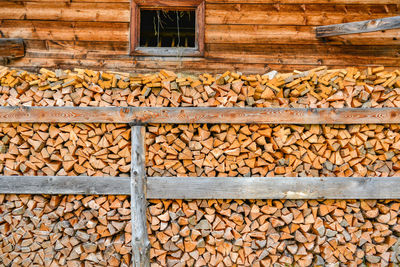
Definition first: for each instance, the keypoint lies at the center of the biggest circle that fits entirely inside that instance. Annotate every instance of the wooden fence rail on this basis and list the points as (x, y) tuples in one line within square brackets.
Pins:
[(54, 185), (211, 188), (143, 115)]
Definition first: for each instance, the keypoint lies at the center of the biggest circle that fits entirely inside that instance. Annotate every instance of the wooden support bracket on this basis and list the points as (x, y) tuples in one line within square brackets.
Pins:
[(358, 27)]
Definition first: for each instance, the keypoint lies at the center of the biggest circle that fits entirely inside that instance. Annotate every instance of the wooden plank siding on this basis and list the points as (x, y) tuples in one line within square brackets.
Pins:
[(250, 36)]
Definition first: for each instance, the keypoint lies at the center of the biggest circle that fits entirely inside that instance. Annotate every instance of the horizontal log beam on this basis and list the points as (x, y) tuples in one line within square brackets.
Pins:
[(273, 188), (11, 47), (358, 27), (143, 115), (84, 185), (211, 187)]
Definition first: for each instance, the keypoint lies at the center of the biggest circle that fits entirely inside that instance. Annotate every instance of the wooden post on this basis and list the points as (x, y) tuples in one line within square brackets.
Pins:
[(140, 240)]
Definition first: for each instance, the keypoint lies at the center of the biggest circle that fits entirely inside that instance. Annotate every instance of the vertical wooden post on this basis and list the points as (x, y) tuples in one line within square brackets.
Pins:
[(140, 240)]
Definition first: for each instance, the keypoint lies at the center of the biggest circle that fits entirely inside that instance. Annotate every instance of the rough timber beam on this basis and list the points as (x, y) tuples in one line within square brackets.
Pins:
[(211, 187), (358, 27), (143, 115), (273, 187), (84, 185)]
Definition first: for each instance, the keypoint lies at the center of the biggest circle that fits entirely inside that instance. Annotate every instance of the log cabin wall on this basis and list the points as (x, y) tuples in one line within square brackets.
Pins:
[(251, 36)]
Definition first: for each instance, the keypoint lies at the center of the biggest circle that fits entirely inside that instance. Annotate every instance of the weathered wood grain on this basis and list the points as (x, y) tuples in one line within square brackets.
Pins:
[(85, 185), (140, 240), (65, 30), (62, 11), (12, 47), (358, 27), (301, 2), (273, 188), (221, 57), (145, 115), (211, 188), (293, 14), (167, 51), (284, 34)]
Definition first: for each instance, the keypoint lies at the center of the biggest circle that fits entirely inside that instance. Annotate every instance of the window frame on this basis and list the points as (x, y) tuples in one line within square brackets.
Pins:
[(137, 50)]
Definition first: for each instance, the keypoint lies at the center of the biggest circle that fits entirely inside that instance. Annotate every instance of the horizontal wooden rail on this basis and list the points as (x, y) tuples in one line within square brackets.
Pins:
[(358, 27), (143, 115), (211, 188), (273, 188), (53, 185)]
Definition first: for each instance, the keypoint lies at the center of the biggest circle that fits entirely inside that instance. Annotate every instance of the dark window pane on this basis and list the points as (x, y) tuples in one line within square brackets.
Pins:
[(161, 28)]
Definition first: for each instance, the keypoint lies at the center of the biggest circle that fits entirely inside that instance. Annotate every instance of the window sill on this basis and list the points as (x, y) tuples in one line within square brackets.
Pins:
[(167, 51)]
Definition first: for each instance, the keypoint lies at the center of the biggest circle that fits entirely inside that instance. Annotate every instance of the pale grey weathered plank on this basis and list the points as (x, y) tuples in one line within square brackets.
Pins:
[(140, 240), (273, 188), (358, 27), (85, 185), (211, 188), (144, 115)]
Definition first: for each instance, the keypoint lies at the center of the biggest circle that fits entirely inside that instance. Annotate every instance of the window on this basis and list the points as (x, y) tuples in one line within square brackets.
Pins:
[(167, 28)]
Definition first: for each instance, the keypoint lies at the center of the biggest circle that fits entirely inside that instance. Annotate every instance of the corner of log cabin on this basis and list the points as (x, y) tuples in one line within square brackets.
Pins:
[(251, 36)]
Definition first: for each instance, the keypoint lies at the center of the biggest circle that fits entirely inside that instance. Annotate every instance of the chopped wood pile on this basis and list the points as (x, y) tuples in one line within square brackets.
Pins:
[(39, 230), (320, 87), (273, 150), (65, 149), (262, 233)]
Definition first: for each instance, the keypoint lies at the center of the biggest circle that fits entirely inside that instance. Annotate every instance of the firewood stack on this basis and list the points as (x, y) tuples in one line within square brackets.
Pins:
[(95, 230), (263, 233), (65, 149), (320, 87), (273, 150), (39, 230)]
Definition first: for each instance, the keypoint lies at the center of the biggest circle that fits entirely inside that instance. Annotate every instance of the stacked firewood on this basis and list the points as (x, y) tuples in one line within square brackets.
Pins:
[(65, 149), (38, 230), (320, 87), (273, 150), (263, 233)]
